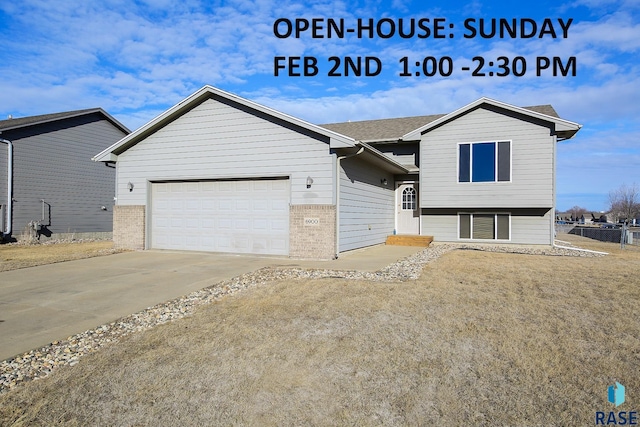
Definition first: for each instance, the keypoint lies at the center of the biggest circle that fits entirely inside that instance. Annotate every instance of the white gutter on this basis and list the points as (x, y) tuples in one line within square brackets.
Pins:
[(9, 183), (338, 159)]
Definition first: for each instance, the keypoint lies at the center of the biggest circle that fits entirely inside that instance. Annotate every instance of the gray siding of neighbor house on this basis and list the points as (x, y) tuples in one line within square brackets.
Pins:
[(219, 141), (530, 227), (52, 162), (367, 206), (532, 163)]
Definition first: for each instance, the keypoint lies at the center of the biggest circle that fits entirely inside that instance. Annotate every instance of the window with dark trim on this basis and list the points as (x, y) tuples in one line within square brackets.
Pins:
[(483, 226), (484, 162)]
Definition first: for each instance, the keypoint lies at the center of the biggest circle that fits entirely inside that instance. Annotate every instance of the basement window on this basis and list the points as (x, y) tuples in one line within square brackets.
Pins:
[(484, 226)]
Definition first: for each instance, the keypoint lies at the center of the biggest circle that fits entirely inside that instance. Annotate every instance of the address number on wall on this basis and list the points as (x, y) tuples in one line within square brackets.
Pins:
[(311, 222)]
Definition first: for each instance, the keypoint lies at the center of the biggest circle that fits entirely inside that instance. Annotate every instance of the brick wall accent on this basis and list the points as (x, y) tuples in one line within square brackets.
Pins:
[(128, 226), (312, 231)]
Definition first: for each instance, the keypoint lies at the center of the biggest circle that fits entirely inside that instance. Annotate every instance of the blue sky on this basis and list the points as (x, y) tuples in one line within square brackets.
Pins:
[(136, 59)]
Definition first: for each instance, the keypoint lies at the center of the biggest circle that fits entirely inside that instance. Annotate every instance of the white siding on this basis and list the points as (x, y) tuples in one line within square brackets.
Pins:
[(443, 228), (534, 230), (216, 141), (526, 230), (532, 163), (366, 205)]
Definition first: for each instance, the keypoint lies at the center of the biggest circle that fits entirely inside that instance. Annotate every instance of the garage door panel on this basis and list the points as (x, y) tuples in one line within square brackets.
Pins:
[(279, 225), (279, 206), (225, 205), (245, 216), (225, 224), (243, 206), (260, 225), (242, 225), (208, 187), (260, 206)]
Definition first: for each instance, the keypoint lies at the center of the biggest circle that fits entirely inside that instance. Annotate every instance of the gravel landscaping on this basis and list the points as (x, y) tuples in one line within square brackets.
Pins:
[(41, 362)]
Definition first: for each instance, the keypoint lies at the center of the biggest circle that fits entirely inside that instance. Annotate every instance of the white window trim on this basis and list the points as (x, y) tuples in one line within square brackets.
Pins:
[(510, 141), (495, 230), (415, 199)]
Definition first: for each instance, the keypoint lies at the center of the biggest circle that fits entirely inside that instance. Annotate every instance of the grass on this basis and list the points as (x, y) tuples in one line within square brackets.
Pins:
[(480, 339), (15, 256)]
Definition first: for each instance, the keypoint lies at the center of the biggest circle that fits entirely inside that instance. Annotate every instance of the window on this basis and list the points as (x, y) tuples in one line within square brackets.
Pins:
[(484, 226), (484, 162), (409, 199)]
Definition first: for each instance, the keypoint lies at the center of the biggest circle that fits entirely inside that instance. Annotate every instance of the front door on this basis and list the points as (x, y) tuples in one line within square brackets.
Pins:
[(407, 212)]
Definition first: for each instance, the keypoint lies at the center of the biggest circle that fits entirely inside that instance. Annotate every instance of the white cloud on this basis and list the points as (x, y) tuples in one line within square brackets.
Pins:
[(131, 57)]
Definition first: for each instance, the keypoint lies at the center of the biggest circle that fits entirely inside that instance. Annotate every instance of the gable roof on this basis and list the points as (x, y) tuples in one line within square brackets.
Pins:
[(336, 140), (23, 122), (393, 130), (564, 129)]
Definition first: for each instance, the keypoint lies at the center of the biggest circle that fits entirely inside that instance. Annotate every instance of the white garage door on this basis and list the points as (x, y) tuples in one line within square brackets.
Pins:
[(244, 216)]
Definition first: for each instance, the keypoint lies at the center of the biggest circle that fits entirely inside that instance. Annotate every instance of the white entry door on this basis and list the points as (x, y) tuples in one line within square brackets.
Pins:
[(407, 211)]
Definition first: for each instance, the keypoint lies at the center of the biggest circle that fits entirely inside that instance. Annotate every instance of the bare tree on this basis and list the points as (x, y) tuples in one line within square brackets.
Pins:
[(577, 211), (624, 202)]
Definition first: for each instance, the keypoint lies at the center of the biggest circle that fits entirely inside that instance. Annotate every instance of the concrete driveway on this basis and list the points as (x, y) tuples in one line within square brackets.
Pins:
[(42, 304)]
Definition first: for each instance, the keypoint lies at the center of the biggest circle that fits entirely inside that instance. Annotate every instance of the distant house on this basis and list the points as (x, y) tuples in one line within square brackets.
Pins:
[(218, 172), (48, 183)]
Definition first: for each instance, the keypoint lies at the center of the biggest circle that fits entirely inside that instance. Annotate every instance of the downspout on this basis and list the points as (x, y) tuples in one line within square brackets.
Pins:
[(7, 232), (338, 159)]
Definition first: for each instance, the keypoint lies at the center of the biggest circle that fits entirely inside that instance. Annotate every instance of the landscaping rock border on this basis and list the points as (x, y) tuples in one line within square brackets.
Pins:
[(41, 362)]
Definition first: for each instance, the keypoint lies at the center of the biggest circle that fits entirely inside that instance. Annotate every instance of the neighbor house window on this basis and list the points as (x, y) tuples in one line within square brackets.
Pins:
[(409, 199), (484, 226), (484, 161)]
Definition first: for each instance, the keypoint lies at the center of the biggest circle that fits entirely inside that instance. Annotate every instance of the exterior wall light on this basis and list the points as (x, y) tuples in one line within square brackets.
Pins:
[(130, 186), (384, 181), (309, 181)]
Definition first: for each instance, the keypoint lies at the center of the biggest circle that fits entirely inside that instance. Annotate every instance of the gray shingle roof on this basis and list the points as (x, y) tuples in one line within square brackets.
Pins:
[(394, 129), (45, 118), (384, 129), (544, 109)]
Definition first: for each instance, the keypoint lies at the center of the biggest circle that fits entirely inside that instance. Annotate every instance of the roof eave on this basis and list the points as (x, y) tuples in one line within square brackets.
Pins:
[(391, 165), (79, 113), (108, 157), (561, 125), (564, 134)]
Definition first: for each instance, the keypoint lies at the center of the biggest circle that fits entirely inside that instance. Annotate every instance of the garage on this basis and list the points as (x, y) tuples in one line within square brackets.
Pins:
[(236, 216)]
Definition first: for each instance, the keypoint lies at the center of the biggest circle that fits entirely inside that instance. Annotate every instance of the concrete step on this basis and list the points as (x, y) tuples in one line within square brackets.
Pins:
[(409, 240)]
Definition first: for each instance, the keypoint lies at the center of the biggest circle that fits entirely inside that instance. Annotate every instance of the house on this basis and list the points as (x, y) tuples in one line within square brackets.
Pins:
[(48, 184), (218, 172)]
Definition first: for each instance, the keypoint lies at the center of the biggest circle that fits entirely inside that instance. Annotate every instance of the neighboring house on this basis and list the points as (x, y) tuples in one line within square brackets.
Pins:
[(218, 172), (48, 183)]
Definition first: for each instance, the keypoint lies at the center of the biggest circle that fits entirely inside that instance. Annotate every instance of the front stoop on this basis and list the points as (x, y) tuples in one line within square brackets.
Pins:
[(409, 240)]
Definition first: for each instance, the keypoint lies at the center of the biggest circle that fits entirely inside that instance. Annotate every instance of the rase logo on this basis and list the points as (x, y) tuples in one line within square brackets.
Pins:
[(616, 396), (615, 393)]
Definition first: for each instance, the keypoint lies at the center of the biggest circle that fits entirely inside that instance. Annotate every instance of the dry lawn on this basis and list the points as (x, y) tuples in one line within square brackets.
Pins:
[(480, 339), (13, 257)]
